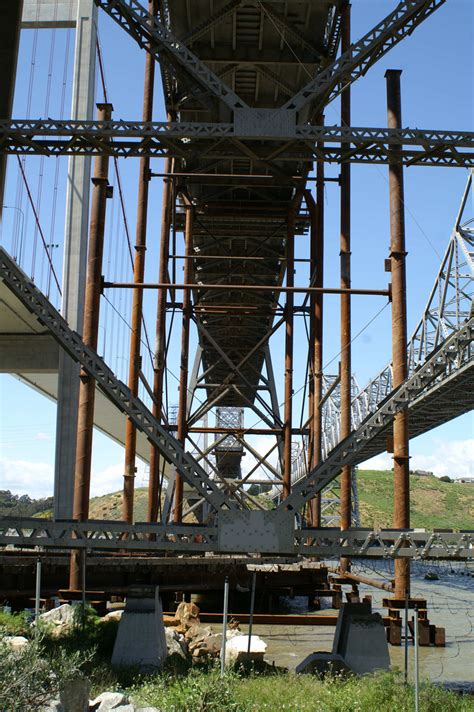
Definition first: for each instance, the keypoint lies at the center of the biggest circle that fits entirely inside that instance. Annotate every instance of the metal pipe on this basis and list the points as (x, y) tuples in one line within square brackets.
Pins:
[(137, 298), (160, 346), (345, 260), (362, 579), (289, 322), (37, 594), (406, 639), (417, 665), (183, 373), (289, 289), (224, 624), (401, 482), (90, 331), (252, 607)]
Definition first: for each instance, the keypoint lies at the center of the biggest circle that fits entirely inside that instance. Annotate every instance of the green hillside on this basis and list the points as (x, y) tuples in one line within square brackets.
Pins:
[(434, 504)]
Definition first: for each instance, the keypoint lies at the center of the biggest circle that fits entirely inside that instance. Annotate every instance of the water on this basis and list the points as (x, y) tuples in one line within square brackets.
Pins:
[(450, 604)]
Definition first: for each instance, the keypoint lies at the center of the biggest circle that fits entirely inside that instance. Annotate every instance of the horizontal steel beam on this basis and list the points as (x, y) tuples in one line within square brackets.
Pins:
[(246, 288), (129, 138), (112, 535)]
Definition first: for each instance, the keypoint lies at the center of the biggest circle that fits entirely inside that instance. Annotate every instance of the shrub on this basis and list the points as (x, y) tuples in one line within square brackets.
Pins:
[(29, 678)]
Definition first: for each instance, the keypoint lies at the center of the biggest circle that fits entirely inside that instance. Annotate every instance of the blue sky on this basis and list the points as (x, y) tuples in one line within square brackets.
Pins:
[(437, 92)]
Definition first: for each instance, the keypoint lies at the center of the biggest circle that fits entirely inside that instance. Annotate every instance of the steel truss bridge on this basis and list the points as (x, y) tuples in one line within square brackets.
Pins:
[(244, 131)]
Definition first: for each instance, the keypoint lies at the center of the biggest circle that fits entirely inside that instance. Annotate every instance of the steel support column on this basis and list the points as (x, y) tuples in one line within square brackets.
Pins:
[(183, 373), (137, 299), (75, 259), (401, 480), (85, 419), (316, 347), (154, 488), (345, 254), (9, 44), (289, 319)]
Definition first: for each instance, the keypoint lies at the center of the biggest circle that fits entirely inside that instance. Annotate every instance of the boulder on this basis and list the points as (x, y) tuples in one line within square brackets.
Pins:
[(61, 629), (112, 616), (111, 702), (210, 645), (170, 620), (74, 695), (175, 643), (61, 614), (188, 615), (15, 642), (198, 632), (236, 650)]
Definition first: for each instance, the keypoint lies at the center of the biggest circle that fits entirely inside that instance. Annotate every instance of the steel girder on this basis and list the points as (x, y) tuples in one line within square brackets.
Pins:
[(354, 63), (171, 450), (221, 141), (158, 40), (439, 367), (107, 535)]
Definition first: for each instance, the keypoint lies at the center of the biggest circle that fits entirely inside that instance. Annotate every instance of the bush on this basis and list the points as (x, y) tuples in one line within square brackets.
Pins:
[(445, 478), (14, 624), (29, 678)]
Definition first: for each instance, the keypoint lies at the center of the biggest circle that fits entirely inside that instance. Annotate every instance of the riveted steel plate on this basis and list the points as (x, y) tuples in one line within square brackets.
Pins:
[(266, 532)]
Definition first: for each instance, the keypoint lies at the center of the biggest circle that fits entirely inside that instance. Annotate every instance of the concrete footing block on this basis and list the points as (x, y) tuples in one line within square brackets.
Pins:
[(141, 640)]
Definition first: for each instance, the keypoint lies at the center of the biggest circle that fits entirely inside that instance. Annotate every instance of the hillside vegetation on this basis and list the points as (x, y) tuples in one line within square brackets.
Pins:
[(434, 504)]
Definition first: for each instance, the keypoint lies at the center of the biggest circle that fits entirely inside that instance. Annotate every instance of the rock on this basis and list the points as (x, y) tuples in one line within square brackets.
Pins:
[(16, 642), (111, 702), (237, 647), (198, 632), (170, 620), (74, 695), (147, 709), (211, 645), (175, 643), (62, 614), (53, 706), (112, 616), (188, 615)]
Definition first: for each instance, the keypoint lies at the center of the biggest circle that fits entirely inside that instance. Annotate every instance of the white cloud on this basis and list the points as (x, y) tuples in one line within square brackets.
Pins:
[(36, 479), (454, 458), (43, 436), (24, 477)]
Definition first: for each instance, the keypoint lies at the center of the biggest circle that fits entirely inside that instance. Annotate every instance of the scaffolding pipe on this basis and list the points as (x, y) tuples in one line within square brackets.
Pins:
[(184, 367), (137, 299), (345, 257), (289, 321), (160, 346), (90, 332), (401, 482)]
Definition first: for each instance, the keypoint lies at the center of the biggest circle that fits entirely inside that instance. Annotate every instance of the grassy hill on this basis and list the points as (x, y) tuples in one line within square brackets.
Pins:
[(434, 504)]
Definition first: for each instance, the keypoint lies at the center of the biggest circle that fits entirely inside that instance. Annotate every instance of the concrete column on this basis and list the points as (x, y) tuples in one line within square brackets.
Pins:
[(75, 259), (9, 43)]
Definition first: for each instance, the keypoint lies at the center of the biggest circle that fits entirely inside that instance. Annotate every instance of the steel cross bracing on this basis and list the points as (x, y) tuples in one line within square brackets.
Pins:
[(157, 39), (222, 141), (329, 543), (354, 63), (172, 451), (442, 363)]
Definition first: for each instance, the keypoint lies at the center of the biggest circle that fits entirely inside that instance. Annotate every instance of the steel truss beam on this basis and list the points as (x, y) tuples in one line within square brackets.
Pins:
[(171, 450), (155, 38), (354, 63), (131, 138), (456, 349), (107, 535)]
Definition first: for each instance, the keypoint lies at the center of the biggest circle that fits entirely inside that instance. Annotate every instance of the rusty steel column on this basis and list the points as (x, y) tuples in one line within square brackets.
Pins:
[(137, 297), (401, 472), (90, 331), (183, 373), (160, 346), (289, 319), (345, 254), (316, 346)]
